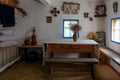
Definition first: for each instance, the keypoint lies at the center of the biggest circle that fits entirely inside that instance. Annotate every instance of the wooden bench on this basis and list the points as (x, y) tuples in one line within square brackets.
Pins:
[(108, 54), (79, 60), (90, 61)]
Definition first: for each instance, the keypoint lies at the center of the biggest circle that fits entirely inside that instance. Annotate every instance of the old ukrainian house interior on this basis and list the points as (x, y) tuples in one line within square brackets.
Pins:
[(60, 39)]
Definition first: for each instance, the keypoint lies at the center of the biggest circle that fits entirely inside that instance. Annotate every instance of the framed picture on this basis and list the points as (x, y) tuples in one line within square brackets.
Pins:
[(86, 15), (70, 8), (101, 38), (48, 19), (90, 18), (100, 11)]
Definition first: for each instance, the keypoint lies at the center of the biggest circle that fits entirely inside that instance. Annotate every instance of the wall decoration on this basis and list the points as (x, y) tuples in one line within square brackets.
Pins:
[(7, 18), (90, 18), (92, 35), (54, 11), (101, 38), (70, 8), (86, 15), (100, 11), (115, 6), (15, 4), (49, 19)]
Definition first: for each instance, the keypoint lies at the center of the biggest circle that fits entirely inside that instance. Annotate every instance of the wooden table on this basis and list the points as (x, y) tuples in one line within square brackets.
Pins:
[(23, 49), (67, 46), (31, 46)]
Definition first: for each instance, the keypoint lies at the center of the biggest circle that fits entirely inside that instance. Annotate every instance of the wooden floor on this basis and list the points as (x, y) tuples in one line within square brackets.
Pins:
[(22, 70)]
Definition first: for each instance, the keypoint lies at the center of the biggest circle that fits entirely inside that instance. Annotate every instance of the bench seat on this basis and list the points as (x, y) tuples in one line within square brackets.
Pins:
[(90, 61), (111, 54), (69, 60)]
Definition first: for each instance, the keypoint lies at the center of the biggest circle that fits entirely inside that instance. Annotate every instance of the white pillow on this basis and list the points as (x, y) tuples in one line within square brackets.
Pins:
[(7, 38)]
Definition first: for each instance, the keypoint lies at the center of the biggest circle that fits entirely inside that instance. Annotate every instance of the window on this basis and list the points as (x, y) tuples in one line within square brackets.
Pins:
[(115, 30), (67, 33)]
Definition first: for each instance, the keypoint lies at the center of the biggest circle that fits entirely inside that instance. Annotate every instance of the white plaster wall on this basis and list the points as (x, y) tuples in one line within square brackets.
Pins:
[(115, 65), (111, 14), (46, 31), (87, 26)]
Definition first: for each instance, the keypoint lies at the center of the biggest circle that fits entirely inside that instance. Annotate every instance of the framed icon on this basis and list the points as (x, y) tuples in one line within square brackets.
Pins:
[(100, 11), (49, 19), (101, 38), (70, 8)]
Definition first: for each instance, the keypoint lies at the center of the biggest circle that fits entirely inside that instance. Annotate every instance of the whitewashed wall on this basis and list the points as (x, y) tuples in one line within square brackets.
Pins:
[(46, 31), (111, 14)]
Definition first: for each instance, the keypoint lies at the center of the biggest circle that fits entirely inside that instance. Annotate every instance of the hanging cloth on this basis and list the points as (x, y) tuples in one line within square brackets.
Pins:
[(14, 4), (7, 17)]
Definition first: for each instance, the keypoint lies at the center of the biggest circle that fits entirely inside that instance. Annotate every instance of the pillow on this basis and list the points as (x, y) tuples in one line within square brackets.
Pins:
[(7, 38)]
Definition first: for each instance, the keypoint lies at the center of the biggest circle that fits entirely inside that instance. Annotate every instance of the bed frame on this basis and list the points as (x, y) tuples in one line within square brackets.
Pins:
[(8, 56)]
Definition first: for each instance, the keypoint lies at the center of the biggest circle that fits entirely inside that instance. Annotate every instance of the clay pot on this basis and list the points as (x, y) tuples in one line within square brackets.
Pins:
[(75, 36)]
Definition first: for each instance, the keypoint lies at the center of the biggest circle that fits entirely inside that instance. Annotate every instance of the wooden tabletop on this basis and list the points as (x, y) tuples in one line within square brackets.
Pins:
[(31, 46)]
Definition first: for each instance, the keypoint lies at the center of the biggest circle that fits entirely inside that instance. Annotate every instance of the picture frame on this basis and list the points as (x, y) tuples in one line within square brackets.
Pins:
[(48, 19), (86, 15), (70, 8), (100, 11), (90, 18), (101, 38), (115, 6)]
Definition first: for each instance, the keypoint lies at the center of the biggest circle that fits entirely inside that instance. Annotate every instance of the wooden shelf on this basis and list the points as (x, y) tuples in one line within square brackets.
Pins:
[(31, 46), (100, 15)]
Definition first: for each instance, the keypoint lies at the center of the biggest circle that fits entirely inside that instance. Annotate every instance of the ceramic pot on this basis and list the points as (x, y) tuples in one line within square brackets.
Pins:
[(75, 36)]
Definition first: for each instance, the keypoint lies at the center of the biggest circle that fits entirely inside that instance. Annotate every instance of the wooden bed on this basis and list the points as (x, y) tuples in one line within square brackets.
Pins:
[(8, 56)]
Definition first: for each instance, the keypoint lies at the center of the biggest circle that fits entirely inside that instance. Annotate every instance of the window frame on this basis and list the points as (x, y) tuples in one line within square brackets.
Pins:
[(111, 30), (63, 32)]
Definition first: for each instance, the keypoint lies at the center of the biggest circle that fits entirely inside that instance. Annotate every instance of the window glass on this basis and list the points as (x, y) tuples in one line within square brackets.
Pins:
[(67, 33), (115, 30)]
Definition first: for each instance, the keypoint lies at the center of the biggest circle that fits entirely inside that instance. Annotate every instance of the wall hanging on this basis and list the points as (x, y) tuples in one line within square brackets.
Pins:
[(90, 18), (48, 19), (7, 18), (101, 38), (70, 7), (15, 4), (54, 11), (115, 6), (100, 11), (86, 15)]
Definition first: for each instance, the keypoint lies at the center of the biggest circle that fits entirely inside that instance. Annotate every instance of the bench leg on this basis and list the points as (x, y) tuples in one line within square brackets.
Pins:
[(51, 68), (92, 71)]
